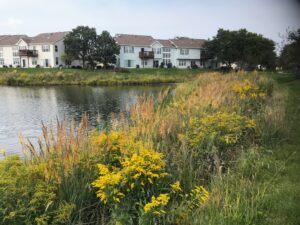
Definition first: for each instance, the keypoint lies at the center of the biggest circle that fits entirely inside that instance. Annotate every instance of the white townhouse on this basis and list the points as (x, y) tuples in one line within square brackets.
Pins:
[(146, 52), (43, 50)]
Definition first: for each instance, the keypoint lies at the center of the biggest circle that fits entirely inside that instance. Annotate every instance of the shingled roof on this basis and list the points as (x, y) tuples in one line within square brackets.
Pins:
[(48, 37), (11, 39), (129, 39), (185, 42), (165, 43)]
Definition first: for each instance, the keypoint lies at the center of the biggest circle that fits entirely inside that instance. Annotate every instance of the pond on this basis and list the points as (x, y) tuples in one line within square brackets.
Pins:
[(23, 109)]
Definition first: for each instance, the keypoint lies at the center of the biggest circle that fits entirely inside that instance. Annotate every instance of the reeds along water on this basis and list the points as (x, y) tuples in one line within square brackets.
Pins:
[(189, 137)]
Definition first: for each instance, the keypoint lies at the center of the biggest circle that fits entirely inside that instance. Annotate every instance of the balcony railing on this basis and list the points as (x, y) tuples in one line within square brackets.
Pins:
[(28, 53), (146, 55)]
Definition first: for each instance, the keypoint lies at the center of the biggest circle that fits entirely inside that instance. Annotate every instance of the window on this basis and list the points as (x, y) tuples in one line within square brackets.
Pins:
[(157, 51), (166, 55), (184, 51), (33, 47), (23, 47), (45, 48), (166, 50), (129, 63), (166, 61), (1, 62), (1, 52), (56, 61), (182, 63), (145, 62), (15, 51), (34, 61), (16, 61), (128, 49), (56, 48)]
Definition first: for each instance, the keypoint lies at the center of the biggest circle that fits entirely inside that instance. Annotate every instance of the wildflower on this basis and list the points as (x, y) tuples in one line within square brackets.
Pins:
[(197, 197), (176, 187), (221, 127), (161, 200), (247, 90)]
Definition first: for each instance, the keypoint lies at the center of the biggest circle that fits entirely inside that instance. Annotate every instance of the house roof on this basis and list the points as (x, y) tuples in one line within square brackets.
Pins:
[(39, 39), (185, 42), (11, 39), (48, 37), (165, 43), (129, 39)]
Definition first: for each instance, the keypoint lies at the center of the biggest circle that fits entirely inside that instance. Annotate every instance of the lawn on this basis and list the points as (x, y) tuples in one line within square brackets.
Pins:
[(30, 77)]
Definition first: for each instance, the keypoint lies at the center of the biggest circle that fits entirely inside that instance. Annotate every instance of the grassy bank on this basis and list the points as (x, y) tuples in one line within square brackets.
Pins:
[(219, 151), (30, 77)]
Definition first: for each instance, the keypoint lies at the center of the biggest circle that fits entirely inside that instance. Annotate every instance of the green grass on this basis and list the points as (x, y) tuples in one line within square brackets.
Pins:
[(285, 201), (259, 183), (264, 186), (31, 77)]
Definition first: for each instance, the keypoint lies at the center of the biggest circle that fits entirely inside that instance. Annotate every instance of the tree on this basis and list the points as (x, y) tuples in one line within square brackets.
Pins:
[(290, 55), (66, 58), (80, 43), (106, 49), (245, 48)]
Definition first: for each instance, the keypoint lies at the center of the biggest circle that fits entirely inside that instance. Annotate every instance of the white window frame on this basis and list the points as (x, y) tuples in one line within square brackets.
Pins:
[(45, 48), (184, 51), (157, 51), (128, 49), (129, 61), (16, 61), (2, 61), (15, 51), (182, 62), (166, 49), (34, 62)]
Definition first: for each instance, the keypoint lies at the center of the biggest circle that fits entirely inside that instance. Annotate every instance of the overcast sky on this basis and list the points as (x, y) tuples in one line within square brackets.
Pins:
[(159, 18)]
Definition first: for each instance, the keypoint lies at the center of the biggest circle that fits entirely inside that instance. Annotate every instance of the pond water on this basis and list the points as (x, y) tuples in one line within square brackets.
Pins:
[(23, 109)]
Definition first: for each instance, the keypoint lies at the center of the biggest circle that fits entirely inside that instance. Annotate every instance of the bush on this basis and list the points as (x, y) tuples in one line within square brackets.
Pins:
[(122, 70)]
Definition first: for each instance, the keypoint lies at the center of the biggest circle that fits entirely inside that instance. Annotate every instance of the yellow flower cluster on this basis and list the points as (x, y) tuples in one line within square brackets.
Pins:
[(198, 197), (145, 165), (107, 184), (113, 141), (156, 203), (139, 169), (223, 127), (176, 187), (247, 90)]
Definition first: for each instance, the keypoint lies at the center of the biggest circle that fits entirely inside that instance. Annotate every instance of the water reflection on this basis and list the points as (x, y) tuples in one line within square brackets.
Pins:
[(22, 109)]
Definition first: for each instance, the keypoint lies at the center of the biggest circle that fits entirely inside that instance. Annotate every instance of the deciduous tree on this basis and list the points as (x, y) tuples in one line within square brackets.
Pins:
[(80, 43)]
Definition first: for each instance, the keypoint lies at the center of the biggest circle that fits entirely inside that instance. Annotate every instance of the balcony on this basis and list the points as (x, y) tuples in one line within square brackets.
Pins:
[(28, 53), (146, 55)]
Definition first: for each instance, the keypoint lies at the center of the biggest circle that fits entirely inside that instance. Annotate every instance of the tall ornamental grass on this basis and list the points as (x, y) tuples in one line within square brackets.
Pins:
[(191, 156)]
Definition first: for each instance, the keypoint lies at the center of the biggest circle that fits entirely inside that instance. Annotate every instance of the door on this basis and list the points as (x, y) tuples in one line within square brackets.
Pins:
[(23, 63), (46, 63), (156, 64)]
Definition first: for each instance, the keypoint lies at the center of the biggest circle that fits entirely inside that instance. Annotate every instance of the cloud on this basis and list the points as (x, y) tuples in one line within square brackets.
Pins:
[(11, 23)]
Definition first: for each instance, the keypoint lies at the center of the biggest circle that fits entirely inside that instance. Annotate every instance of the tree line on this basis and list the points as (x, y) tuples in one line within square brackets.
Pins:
[(246, 49), (84, 44)]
